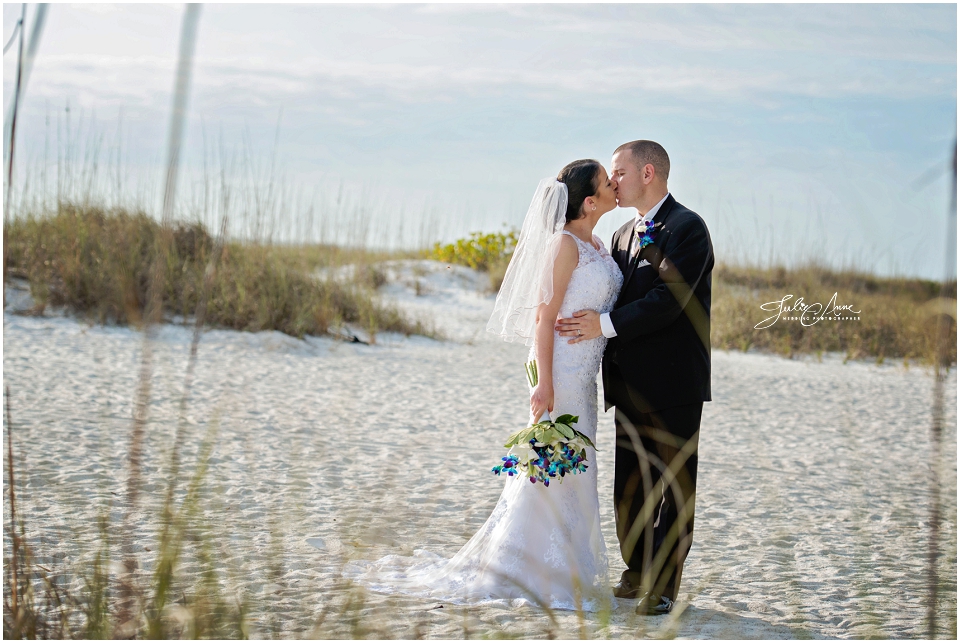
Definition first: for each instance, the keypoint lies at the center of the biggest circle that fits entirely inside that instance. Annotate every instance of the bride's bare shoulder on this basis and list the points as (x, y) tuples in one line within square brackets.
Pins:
[(568, 251)]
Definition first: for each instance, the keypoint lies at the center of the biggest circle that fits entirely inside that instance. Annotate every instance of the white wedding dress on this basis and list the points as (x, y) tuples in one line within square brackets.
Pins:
[(540, 545)]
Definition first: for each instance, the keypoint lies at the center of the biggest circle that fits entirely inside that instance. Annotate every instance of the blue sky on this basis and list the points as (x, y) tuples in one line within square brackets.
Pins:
[(796, 131)]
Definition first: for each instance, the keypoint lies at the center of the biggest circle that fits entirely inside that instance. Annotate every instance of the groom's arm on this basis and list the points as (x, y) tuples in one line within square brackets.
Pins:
[(687, 259)]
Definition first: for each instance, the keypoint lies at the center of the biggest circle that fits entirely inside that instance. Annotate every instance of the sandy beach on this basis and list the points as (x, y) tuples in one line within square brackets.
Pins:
[(813, 491)]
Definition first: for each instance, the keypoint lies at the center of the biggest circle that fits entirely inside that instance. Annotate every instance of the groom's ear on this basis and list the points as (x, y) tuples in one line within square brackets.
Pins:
[(648, 172)]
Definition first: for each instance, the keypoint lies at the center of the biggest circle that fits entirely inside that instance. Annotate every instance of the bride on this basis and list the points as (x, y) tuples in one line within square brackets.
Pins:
[(540, 545)]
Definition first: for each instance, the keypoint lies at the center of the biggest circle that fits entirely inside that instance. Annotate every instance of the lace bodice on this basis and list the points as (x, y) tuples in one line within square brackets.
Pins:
[(596, 280)]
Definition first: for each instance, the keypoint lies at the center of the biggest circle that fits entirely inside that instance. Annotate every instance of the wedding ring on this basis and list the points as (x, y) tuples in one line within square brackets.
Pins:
[(579, 333)]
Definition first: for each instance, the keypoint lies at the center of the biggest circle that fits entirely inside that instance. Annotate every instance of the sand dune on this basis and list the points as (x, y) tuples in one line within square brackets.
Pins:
[(813, 497)]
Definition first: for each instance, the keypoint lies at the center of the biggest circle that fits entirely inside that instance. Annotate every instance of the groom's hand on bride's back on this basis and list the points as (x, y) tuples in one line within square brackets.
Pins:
[(584, 325)]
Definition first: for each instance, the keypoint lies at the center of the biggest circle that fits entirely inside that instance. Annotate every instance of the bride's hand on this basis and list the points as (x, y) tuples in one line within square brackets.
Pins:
[(541, 399)]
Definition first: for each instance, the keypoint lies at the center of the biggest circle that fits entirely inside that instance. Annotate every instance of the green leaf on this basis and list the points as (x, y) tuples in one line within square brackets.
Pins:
[(568, 419), (587, 440), (538, 433), (518, 438), (514, 439), (565, 430), (546, 434)]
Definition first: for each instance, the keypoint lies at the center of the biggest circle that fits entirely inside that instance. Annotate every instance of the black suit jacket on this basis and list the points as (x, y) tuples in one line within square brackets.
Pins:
[(660, 357)]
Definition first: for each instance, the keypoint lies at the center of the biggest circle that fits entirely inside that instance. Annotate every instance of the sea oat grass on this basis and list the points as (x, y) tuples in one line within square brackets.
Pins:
[(898, 317), (96, 262)]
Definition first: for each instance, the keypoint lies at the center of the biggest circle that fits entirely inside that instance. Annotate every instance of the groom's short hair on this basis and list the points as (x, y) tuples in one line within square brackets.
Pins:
[(648, 152)]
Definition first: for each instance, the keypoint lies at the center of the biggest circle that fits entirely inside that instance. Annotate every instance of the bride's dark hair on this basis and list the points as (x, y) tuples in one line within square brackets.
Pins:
[(582, 179)]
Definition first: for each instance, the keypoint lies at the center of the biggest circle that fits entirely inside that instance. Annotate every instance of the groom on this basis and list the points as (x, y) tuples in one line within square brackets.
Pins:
[(656, 372)]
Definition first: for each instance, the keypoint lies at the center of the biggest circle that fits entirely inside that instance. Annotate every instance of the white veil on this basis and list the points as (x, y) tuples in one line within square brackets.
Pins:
[(529, 278)]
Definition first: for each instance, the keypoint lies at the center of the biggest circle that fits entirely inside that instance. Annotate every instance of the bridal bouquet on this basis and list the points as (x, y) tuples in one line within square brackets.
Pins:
[(546, 449)]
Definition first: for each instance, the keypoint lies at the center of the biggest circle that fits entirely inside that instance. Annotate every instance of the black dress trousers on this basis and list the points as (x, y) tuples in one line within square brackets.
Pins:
[(655, 483)]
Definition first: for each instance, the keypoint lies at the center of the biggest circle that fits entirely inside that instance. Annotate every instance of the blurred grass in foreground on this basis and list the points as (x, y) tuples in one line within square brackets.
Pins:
[(96, 262)]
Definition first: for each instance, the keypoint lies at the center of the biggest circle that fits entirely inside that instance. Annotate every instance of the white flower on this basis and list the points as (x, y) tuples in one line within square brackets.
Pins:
[(523, 451)]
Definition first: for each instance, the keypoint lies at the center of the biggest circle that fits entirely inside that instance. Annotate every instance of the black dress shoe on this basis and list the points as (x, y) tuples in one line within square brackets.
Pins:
[(654, 605), (626, 589)]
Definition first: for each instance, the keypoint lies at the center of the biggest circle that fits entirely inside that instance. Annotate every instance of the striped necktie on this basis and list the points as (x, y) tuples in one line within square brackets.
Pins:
[(638, 229)]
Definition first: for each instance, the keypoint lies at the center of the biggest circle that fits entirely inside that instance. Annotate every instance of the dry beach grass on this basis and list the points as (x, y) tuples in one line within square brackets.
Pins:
[(898, 318), (96, 263)]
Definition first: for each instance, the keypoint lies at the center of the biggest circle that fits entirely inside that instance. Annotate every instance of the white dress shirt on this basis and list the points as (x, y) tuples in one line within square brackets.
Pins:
[(606, 326)]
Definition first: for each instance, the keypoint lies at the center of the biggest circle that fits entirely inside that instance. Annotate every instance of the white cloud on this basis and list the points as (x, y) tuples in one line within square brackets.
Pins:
[(542, 53), (906, 33), (144, 80)]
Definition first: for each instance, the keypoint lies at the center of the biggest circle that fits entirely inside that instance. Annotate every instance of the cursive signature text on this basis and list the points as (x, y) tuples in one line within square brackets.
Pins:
[(806, 314)]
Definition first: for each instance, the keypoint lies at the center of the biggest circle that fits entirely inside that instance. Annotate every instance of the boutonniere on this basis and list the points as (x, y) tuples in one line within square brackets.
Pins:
[(646, 233)]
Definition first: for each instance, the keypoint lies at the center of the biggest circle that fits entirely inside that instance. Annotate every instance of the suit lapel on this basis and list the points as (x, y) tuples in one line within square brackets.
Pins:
[(634, 259), (664, 209)]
